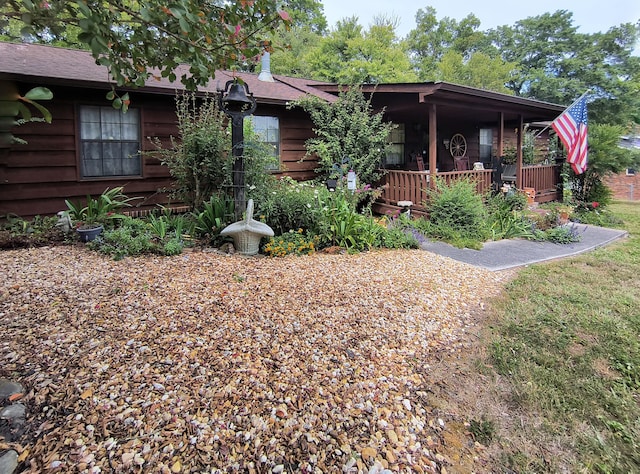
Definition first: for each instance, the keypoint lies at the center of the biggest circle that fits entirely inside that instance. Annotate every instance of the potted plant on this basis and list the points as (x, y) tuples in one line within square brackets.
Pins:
[(91, 218)]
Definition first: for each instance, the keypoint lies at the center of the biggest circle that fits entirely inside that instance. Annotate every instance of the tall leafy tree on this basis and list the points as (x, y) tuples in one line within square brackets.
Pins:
[(432, 38), (558, 64), (307, 14), (349, 55), (308, 25), (136, 39), (605, 157), (480, 71)]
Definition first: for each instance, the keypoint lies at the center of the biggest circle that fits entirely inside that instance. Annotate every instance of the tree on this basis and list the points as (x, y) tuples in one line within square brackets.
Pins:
[(558, 64), (347, 129), (432, 38), (308, 24), (136, 40), (348, 55), (480, 71), (307, 14)]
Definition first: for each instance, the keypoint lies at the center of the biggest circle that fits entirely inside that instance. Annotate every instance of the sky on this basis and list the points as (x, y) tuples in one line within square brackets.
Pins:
[(590, 16)]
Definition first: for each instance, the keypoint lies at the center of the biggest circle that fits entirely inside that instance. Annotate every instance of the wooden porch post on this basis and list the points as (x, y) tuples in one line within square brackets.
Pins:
[(519, 141), (501, 135), (433, 145)]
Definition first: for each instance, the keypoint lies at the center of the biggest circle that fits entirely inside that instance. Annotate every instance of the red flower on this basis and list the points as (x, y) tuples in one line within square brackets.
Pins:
[(595, 204)]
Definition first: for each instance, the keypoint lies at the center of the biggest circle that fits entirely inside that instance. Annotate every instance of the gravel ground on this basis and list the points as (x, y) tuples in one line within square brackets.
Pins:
[(212, 363)]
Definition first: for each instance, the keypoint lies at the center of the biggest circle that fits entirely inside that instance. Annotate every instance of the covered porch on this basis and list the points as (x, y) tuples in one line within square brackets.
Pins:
[(446, 131), (401, 185)]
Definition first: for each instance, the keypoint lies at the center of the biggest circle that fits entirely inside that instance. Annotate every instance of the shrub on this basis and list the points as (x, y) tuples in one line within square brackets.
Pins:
[(347, 129), (504, 217), (288, 205), (199, 162), (395, 237), (560, 234), (16, 232), (457, 210), (133, 237), (588, 214)]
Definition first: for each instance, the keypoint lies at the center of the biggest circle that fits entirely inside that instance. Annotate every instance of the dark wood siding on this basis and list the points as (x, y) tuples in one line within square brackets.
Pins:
[(36, 178)]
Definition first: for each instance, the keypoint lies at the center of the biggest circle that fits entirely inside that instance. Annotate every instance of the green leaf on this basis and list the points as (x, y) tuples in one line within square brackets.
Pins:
[(84, 9), (85, 37), (117, 103), (39, 93), (111, 95), (26, 30), (85, 24), (144, 13), (24, 111), (184, 24), (45, 113), (177, 12)]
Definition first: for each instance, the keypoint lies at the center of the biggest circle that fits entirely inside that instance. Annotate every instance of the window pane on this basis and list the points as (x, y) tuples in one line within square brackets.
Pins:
[(110, 142), (268, 130), (91, 151), (486, 140), (111, 131), (130, 125), (92, 168)]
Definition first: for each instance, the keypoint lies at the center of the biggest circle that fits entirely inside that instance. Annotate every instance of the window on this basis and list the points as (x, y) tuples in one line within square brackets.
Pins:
[(268, 130), (110, 142), (486, 141), (395, 155), (631, 172)]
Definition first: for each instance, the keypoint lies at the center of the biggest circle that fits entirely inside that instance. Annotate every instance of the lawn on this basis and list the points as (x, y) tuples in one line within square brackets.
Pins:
[(562, 349)]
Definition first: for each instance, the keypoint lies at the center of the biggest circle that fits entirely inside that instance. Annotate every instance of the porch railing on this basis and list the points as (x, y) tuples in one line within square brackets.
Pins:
[(544, 179), (412, 185)]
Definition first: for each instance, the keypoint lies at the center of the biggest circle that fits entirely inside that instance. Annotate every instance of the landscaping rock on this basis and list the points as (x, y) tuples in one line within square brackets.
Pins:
[(8, 388), (8, 462)]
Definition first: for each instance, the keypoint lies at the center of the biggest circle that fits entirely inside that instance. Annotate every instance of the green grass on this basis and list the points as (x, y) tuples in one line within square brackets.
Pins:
[(566, 339)]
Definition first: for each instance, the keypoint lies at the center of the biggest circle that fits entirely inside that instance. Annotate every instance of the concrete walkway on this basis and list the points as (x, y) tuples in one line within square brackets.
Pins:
[(504, 254)]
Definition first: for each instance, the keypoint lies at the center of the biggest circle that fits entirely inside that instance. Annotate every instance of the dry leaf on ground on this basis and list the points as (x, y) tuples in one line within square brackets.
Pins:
[(202, 361)]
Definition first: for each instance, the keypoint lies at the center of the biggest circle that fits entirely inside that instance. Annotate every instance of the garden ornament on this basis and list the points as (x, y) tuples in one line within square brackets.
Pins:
[(246, 234), (64, 222)]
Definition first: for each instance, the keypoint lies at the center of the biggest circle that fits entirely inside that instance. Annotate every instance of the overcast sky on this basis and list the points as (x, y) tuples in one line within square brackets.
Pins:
[(590, 16)]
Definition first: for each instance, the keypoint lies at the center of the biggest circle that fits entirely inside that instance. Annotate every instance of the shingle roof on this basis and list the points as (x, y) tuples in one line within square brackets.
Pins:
[(76, 67)]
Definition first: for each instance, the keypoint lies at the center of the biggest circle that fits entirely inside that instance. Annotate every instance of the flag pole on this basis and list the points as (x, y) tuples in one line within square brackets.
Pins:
[(572, 103)]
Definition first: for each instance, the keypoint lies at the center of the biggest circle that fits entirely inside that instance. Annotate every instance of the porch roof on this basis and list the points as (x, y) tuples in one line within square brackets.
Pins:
[(453, 100)]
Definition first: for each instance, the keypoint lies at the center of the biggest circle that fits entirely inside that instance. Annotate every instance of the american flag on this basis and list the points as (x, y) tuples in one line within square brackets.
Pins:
[(571, 127)]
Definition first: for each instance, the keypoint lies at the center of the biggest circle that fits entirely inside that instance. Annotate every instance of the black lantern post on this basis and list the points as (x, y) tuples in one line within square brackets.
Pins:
[(237, 102)]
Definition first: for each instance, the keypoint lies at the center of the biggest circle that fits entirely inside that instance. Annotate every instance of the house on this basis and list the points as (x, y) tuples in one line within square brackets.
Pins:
[(626, 185), (90, 146), (442, 128)]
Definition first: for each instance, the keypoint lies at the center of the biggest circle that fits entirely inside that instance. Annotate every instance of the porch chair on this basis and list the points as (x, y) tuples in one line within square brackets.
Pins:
[(509, 173), (461, 164), (420, 162)]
